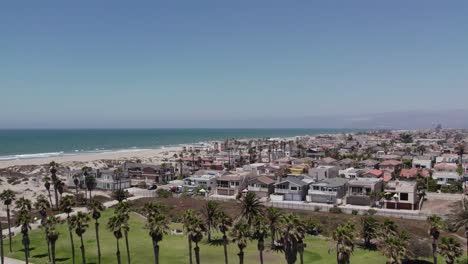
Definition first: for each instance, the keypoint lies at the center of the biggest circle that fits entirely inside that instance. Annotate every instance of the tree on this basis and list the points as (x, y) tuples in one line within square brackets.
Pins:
[(157, 225), (260, 232), (224, 222), (42, 205), (209, 211), (76, 182), (292, 232), (395, 246), (197, 228), (47, 187), (115, 226), (344, 238), (2, 254), (460, 151), (55, 181), (90, 182), (451, 249), (123, 209), (459, 218), (96, 207), (435, 224), (370, 228), (240, 234), (52, 234), (273, 216), (250, 207), (187, 220), (24, 221), (66, 206), (80, 223), (120, 195), (7, 197)]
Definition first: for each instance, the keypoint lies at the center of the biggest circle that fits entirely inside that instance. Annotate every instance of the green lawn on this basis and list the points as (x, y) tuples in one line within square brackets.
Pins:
[(173, 248)]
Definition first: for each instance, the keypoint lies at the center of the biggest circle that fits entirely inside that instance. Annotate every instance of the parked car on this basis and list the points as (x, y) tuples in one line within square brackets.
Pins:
[(153, 187)]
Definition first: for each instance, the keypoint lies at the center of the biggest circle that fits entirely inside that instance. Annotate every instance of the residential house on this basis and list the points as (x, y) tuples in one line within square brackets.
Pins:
[(323, 172), (390, 165), (373, 174), (350, 173), (361, 189), (446, 177), (401, 195), (262, 186), (422, 162), (202, 179), (413, 173), (369, 164), (329, 191), (290, 189), (232, 184)]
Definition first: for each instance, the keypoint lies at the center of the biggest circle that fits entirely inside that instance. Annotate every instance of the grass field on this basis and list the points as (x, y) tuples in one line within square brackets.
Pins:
[(173, 248)]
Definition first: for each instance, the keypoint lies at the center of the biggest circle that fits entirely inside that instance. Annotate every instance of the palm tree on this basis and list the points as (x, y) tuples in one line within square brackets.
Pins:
[(344, 238), (459, 218), (24, 220), (7, 197), (90, 182), (52, 234), (210, 210), (197, 228), (273, 216), (260, 232), (96, 207), (46, 180), (157, 224), (460, 151), (187, 219), (42, 205), (76, 182), (66, 206), (395, 247), (2, 254), (451, 249), (224, 222), (250, 207), (55, 181), (240, 234), (435, 224), (80, 223), (292, 231), (123, 209), (370, 228), (115, 226)]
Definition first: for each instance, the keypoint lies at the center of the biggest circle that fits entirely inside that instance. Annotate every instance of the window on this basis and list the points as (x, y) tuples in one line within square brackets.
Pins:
[(293, 188), (316, 188), (403, 196)]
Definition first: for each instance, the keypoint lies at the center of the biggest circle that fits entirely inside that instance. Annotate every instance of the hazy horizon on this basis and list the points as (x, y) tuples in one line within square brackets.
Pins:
[(212, 64)]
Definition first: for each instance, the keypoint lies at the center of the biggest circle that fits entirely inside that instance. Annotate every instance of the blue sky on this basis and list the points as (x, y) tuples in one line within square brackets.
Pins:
[(151, 63)]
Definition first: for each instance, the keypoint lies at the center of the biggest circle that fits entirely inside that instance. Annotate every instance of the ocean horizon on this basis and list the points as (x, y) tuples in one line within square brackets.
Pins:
[(40, 143)]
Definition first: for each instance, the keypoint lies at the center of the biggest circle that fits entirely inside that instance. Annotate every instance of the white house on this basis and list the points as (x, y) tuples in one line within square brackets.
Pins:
[(350, 173)]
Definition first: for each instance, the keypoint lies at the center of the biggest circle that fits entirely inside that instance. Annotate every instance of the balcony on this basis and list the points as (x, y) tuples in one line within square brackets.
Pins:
[(285, 191), (256, 189)]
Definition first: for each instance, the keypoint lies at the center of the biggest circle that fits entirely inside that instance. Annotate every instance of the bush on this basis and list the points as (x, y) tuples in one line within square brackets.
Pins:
[(142, 185), (317, 208), (163, 193), (354, 212), (371, 211), (335, 210)]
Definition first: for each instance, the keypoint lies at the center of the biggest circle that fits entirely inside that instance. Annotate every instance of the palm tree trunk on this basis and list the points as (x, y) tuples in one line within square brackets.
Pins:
[(83, 256), (209, 232), (466, 236), (56, 197), (50, 199), (225, 242), (272, 231), (71, 239), (48, 247), (197, 253), (97, 241), (190, 249), (156, 251), (2, 254), (434, 250), (126, 245), (261, 247), (118, 252), (241, 256), (26, 248), (9, 227), (53, 252), (300, 249)]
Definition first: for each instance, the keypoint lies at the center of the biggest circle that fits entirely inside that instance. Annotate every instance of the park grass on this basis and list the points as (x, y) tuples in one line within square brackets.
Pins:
[(173, 248)]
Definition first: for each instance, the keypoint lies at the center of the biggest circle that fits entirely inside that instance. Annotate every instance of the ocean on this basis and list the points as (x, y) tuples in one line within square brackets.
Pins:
[(26, 144)]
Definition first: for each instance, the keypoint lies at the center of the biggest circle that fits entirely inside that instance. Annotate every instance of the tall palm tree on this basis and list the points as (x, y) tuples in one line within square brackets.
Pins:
[(344, 238), (459, 218), (52, 234), (2, 254), (250, 207), (224, 222), (451, 249), (24, 220), (123, 209), (115, 226), (80, 223), (55, 181), (260, 232), (370, 228), (197, 228), (76, 182), (96, 207), (240, 234), (46, 180), (187, 219), (435, 224), (42, 205), (273, 216), (210, 210), (90, 182), (395, 247), (157, 224), (460, 151), (66, 206), (292, 231), (7, 197)]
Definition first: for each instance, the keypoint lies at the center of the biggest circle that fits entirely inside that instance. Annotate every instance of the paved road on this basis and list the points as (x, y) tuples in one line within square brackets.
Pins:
[(13, 261)]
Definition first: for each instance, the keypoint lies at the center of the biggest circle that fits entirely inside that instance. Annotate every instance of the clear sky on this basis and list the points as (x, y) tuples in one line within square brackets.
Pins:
[(142, 63)]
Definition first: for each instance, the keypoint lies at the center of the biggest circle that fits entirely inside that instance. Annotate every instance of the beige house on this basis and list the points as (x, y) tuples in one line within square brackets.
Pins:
[(401, 195)]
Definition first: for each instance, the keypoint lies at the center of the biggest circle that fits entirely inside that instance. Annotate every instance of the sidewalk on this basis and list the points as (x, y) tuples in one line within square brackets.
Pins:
[(14, 261)]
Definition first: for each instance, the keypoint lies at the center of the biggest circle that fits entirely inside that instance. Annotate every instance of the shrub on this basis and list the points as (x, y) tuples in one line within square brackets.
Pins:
[(354, 212), (317, 208), (142, 185), (163, 193), (335, 210), (371, 211)]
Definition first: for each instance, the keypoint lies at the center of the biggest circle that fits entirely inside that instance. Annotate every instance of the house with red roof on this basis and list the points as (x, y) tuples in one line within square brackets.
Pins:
[(413, 173), (390, 165)]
